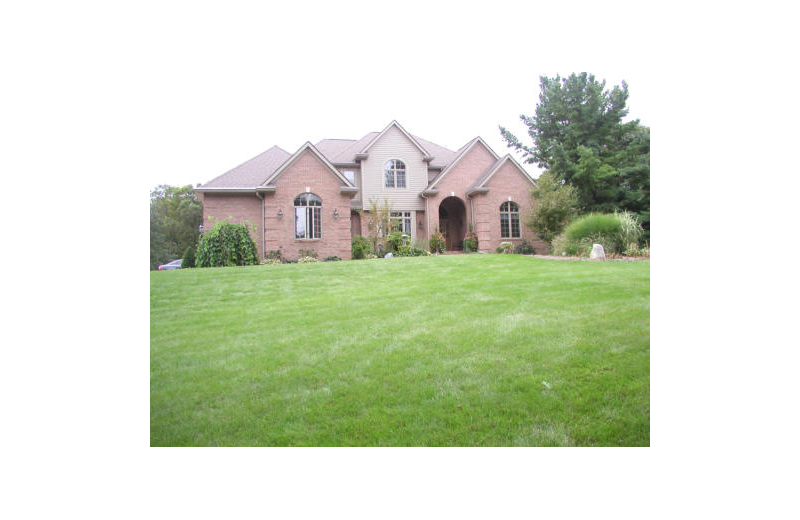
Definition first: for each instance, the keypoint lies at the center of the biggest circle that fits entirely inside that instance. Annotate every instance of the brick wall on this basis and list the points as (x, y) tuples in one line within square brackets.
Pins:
[(307, 171), (507, 182), (458, 180), (239, 207)]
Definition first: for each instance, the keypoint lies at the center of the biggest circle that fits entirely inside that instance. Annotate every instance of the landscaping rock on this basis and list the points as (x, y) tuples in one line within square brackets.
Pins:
[(598, 253), (389, 255)]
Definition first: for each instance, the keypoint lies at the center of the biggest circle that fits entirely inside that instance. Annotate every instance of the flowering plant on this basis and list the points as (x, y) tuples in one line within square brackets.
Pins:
[(437, 243), (470, 242)]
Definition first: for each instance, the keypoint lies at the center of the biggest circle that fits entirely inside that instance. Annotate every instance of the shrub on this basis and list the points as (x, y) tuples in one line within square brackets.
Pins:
[(188, 258), (470, 242), (593, 224), (562, 246), (307, 253), (437, 243), (617, 232), (394, 241), (226, 244), (360, 247), (271, 261), (411, 251), (274, 255), (554, 204), (332, 259), (523, 248), (306, 260), (505, 248)]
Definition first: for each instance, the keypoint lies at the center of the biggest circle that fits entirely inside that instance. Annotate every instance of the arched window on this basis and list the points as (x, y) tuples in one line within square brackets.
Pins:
[(509, 220), (307, 216), (394, 171)]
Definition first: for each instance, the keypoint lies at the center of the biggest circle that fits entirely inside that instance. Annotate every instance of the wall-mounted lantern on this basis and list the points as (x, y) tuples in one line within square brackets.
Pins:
[(336, 213), (419, 224), (200, 228), (280, 213)]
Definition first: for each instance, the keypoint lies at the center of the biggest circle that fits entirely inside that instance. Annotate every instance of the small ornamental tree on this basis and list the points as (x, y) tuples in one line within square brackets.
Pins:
[(554, 204), (379, 224), (226, 244)]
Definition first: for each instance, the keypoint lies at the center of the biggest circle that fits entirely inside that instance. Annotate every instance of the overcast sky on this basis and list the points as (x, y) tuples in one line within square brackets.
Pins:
[(223, 85)]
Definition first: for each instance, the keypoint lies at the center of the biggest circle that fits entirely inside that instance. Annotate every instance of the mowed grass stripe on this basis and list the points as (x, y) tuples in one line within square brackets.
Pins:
[(383, 352)]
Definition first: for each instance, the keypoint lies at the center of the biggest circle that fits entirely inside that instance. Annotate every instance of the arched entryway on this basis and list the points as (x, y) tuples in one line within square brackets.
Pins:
[(453, 222)]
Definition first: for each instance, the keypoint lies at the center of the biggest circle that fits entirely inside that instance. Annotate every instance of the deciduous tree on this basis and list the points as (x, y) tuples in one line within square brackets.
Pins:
[(175, 216), (555, 203)]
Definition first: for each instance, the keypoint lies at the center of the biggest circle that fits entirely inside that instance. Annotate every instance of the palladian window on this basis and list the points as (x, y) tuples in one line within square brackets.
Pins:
[(307, 216), (509, 220), (394, 172)]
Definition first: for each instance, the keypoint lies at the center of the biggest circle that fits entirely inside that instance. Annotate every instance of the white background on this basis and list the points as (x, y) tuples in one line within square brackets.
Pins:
[(101, 101)]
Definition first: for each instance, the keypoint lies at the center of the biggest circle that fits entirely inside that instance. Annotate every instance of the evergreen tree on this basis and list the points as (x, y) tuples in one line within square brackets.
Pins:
[(578, 136)]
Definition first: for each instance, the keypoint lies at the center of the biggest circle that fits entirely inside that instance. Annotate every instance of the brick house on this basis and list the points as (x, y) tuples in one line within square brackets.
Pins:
[(311, 199)]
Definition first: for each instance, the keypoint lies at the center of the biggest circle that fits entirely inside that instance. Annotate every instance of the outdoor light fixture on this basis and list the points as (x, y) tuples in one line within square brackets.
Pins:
[(280, 213), (336, 213), (200, 228), (419, 225)]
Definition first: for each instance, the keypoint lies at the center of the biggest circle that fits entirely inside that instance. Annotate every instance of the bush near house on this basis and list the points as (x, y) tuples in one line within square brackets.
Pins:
[(505, 247), (226, 244), (523, 248), (437, 243), (394, 241), (411, 251), (361, 246), (470, 242)]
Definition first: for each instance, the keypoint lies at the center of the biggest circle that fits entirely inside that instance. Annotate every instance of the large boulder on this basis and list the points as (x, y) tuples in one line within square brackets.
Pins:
[(598, 253)]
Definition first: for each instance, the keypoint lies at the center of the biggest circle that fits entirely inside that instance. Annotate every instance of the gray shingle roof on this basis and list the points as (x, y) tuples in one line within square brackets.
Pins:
[(253, 172), (338, 151)]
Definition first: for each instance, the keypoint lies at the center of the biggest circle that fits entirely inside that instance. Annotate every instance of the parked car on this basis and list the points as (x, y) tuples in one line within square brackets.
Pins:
[(175, 264)]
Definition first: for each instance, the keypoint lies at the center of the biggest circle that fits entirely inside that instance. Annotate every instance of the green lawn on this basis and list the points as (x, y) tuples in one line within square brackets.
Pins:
[(457, 350)]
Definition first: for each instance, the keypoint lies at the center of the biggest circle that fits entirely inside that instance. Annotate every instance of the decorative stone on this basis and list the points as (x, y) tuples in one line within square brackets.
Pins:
[(389, 255), (598, 253)]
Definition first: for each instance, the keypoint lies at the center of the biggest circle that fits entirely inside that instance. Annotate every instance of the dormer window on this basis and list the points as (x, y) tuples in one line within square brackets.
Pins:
[(394, 173)]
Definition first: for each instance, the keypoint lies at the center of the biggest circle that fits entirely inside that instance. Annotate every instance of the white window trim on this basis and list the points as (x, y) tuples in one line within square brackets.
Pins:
[(410, 215), (308, 218), (394, 175), (510, 227)]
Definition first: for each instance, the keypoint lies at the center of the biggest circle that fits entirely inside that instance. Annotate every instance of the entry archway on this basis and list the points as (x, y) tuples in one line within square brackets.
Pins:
[(453, 222)]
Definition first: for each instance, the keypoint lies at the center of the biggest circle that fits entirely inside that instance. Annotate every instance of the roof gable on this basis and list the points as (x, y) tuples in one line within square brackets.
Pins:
[(308, 147), (410, 137), (489, 173), (463, 151)]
